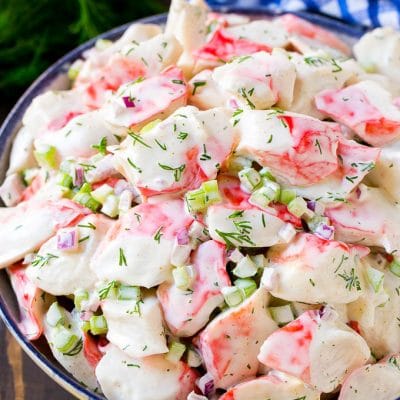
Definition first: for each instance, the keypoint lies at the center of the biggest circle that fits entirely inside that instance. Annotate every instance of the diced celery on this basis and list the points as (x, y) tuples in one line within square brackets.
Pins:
[(110, 206), (265, 194), (65, 180), (266, 173), (183, 277), (102, 192), (249, 178), (55, 315), (317, 220), (259, 260), (85, 326), (287, 195), (87, 200), (212, 193), (64, 340), (85, 188), (282, 315), (129, 293), (150, 125), (102, 44), (233, 296), (29, 174), (79, 296), (125, 201), (298, 206), (196, 200), (193, 358), (176, 351), (274, 188), (47, 158), (98, 325), (246, 285), (375, 278), (394, 267), (74, 69), (245, 268)]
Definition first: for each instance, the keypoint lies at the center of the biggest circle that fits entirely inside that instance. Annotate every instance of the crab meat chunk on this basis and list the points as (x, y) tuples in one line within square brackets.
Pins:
[(179, 153), (376, 315), (75, 361), (368, 217), (231, 341), (356, 161), (299, 27), (300, 150), (196, 305), (137, 248), (64, 272), (318, 350), (126, 378), (380, 381), (77, 138), (32, 301), (378, 50), (365, 107), (314, 73), (40, 215), (263, 31), (138, 102), (275, 385), (135, 326), (255, 81), (314, 270)]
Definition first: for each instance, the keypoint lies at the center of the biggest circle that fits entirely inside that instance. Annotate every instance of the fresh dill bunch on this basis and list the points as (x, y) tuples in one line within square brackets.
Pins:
[(33, 34)]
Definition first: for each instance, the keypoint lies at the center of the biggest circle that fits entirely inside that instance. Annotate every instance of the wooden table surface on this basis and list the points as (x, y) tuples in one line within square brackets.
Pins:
[(20, 378)]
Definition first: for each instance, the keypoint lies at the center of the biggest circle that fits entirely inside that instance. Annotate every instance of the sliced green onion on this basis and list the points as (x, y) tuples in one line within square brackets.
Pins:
[(245, 268), (237, 163), (233, 296), (298, 206), (246, 285), (212, 192), (102, 192), (394, 267), (150, 125), (266, 173), (64, 340), (129, 293), (193, 358), (79, 297), (281, 315), (65, 180), (176, 351), (375, 278), (249, 178), (55, 315), (110, 206), (287, 195), (98, 325), (47, 158), (183, 277), (196, 200)]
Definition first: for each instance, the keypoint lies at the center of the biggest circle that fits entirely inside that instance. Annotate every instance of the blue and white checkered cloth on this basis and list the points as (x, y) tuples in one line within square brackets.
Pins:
[(369, 13)]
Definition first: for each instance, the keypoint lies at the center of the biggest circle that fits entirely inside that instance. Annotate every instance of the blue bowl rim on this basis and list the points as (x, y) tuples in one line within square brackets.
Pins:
[(41, 83)]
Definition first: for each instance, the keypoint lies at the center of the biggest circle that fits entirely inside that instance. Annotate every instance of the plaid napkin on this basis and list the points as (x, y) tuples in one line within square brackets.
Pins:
[(369, 13)]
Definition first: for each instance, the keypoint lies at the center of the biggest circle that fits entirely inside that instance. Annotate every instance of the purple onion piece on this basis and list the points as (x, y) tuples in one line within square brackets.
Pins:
[(67, 239), (325, 231), (206, 384), (311, 205), (233, 103), (79, 177), (128, 102), (182, 237)]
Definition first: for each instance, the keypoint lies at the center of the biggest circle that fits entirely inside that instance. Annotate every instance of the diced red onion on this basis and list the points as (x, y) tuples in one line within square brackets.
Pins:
[(85, 315), (311, 205), (232, 103), (358, 193), (182, 237), (325, 231), (180, 253), (67, 239), (79, 177), (29, 258), (206, 384), (128, 102), (235, 255)]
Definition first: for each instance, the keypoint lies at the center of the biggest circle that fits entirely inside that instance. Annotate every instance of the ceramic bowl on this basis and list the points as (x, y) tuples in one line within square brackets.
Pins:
[(55, 78)]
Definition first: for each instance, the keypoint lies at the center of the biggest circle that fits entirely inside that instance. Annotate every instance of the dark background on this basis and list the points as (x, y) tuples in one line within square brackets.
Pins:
[(33, 34)]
